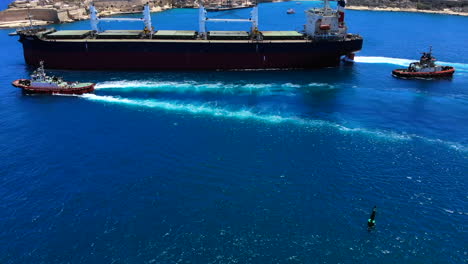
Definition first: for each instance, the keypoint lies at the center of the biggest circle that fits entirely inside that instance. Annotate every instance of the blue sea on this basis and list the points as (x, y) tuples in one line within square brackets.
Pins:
[(243, 166)]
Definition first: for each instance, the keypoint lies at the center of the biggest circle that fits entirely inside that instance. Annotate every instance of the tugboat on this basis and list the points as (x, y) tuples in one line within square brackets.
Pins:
[(425, 68), (41, 83)]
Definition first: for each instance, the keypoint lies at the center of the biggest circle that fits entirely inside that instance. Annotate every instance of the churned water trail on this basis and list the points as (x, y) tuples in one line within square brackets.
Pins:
[(372, 59), (213, 87), (248, 114), (405, 62)]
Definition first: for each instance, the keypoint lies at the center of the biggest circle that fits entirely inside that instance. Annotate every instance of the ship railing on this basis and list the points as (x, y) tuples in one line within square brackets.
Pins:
[(328, 36)]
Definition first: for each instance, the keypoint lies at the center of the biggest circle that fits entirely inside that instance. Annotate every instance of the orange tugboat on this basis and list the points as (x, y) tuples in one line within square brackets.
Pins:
[(41, 83), (425, 68)]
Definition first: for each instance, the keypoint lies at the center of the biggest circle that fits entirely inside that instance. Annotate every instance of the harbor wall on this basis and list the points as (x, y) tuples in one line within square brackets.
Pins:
[(46, 14)]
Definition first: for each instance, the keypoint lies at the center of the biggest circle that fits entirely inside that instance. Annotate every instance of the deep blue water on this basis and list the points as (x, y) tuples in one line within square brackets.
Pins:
[(4, 4), (243, 166)]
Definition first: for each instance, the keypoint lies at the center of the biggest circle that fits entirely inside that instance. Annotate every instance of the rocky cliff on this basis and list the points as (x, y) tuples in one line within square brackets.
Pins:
[(434, 5)]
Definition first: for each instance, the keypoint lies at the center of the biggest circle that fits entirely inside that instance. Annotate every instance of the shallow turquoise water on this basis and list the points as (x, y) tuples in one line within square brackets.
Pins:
[(243, 166)]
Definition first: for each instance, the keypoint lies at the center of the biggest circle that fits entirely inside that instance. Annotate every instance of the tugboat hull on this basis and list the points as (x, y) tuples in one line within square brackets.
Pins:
[(446, 72), (53, 90)]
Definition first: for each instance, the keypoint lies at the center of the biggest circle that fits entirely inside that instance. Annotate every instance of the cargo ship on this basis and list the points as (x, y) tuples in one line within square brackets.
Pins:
[(324, 40)]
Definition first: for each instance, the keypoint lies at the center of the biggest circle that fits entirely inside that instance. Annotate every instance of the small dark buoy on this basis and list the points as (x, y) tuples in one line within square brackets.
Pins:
[(371, 220)]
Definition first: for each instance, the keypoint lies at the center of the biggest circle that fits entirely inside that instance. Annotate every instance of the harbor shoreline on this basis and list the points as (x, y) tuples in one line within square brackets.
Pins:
[(412, 10), (155, 9), (105, 13)]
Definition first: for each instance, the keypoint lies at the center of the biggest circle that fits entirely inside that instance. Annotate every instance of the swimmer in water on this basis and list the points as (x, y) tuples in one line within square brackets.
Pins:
[(371, 221)]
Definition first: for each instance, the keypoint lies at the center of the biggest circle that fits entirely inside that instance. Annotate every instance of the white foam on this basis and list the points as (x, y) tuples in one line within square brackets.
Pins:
[(314, 84), (291, 85), (371, 59), (462, 67), (193, 86), (191, 108), (245, 114)]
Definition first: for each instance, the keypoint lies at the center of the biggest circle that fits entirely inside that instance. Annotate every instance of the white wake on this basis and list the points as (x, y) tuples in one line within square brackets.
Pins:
[(248, 114), (462, 67), (214, 87)]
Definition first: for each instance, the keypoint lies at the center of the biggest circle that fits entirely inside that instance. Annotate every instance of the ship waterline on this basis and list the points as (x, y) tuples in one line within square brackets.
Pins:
[(186, 55)]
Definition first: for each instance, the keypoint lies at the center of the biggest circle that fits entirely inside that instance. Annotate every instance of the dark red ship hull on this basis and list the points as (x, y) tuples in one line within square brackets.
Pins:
[(447, 72), (185, 55), (43, 90)]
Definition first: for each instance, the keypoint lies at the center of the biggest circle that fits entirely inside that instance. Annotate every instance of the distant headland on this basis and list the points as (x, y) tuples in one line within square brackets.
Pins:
[(21, 13), (449, 7)]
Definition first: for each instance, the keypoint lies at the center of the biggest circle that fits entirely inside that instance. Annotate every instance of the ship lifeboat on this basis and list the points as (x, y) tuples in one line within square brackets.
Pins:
[(445, 72), (71, 88), (325, 27)]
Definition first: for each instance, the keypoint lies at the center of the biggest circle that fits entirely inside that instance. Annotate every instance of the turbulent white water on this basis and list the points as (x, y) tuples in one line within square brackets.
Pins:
[(205, 109), (215, 87), (396, 61), (459, 67)]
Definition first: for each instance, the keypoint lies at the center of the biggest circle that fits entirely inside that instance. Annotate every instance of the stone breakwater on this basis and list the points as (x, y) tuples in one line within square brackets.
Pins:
[(45, 12)]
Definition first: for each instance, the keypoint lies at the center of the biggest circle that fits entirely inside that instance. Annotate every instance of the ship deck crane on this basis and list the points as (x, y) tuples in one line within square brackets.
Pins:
[(146, 19), (202, 19)]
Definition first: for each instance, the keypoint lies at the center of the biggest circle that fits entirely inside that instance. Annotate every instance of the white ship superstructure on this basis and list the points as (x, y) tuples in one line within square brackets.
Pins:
[(326, 22)]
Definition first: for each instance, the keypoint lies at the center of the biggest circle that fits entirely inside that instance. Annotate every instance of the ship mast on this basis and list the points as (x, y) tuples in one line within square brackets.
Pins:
[(202, 21)]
